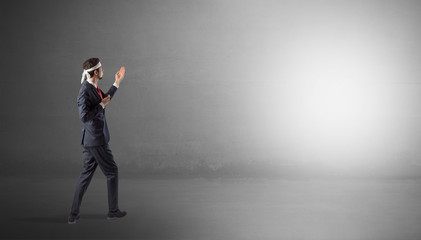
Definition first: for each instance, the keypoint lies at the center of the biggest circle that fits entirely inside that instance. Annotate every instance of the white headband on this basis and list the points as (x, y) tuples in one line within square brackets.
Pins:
[(86, 72)]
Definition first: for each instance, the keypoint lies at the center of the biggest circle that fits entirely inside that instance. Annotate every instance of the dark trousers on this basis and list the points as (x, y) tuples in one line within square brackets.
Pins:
[(92, 157)]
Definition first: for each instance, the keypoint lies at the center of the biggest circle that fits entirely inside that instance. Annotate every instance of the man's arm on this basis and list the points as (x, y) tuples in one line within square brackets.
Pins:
[(87, 112), (118, 78), (111, 91)]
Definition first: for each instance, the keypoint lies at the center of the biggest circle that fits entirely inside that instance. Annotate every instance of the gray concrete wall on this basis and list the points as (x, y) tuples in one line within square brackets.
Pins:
[(208, 83)]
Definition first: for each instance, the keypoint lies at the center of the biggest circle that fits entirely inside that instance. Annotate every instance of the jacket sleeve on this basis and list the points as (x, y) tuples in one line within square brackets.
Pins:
[(111, 91), (87, 111)]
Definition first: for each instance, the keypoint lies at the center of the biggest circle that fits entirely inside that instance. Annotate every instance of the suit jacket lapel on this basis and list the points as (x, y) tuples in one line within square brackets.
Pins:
[(93, 91)]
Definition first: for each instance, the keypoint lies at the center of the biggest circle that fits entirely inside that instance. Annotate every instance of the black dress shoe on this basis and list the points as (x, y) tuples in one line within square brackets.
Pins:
[(116, 215), (73, 218)]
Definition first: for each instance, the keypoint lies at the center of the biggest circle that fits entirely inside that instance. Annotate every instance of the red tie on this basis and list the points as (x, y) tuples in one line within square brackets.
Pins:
[(99, 91)]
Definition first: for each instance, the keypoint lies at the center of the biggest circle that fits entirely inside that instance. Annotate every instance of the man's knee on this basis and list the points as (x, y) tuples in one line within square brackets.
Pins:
[(113, 172)]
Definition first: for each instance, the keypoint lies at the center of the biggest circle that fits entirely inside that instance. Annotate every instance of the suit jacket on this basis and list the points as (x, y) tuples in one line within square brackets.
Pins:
[(95, 129)]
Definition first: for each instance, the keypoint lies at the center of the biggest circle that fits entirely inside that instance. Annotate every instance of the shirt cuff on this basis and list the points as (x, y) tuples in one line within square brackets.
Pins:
[(116, 85), (102, 105)]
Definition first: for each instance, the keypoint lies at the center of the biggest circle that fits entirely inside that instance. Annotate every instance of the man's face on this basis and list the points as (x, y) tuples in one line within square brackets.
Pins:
[(100, 72)]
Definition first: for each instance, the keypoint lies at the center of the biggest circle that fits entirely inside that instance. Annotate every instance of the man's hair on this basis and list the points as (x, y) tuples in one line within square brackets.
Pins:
[(91, 62)]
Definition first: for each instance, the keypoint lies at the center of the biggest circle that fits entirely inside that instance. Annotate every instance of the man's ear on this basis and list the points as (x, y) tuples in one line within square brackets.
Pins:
[(96, 72)]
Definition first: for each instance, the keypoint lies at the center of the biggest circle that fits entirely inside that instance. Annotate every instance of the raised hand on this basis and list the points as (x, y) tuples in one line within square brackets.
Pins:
[(120, 75)]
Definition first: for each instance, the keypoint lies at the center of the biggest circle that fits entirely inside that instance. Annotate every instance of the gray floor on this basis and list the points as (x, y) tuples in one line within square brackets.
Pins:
[(36, 208)]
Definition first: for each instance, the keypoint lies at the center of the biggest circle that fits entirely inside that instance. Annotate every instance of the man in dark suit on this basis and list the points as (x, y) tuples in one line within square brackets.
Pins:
[(95, 137)]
